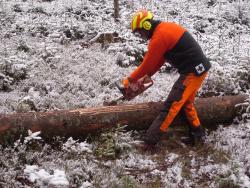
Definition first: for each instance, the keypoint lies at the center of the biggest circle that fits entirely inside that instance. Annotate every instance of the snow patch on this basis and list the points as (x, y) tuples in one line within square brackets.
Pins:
[(43, 177), (74, 146), (32, 136)]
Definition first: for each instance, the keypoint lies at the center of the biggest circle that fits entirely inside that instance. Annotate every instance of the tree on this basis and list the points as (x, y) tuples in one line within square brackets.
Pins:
[(116, 9), (79, 122)]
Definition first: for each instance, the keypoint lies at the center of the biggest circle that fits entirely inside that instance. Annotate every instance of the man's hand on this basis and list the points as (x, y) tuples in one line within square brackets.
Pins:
[(125, 82), (122, 85), (131, 89)]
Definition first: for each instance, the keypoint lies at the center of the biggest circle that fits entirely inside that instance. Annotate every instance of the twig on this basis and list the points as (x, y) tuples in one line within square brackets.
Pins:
[(145, 170)]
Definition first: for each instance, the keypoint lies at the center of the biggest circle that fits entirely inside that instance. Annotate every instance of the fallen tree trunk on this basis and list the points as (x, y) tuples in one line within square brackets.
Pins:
[(81, 122)]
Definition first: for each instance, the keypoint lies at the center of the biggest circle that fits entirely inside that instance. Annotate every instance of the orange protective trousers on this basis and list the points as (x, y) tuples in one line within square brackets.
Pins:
[(180, 97), (188, 89)]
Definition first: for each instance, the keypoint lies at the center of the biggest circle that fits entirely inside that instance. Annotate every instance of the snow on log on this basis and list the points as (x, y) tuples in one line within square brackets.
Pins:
[(81, 122)]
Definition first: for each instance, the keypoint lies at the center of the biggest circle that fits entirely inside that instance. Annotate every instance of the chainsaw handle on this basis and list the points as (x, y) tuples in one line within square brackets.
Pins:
[(120, 87)]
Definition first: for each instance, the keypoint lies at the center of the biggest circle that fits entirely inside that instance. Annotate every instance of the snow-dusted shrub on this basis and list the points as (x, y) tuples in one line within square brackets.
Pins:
[(17, 71), (18, 29), (226, 82), (17, 8), (167, 68), (211, 2), (218, 86), (107, 146), (5, 82), (130, 56), (237, 13), (243, 78), (106, 38), (81, 13), (243, 111), (47, 55), (11, 71), (227, 183), (173, 12), (112, 142), (104, 82), (248, 171), (121, 60), (127, 181), (39, 30), (76, 147), (38, 10), (137, 56), (6, 18), (73, 33), (26, 105), (201, 25), (22, 46)]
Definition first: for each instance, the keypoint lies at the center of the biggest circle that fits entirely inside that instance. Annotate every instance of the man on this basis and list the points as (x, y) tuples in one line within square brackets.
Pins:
[(173, 43)]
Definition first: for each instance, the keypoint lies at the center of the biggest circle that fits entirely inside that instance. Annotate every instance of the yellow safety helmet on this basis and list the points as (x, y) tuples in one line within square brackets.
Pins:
[(140, 20)]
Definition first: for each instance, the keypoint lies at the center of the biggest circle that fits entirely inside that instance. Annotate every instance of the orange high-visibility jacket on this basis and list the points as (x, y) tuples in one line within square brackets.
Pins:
[(173, 43)]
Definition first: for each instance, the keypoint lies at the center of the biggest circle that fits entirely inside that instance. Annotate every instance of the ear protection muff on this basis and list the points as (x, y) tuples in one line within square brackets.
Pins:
[(146, 25)]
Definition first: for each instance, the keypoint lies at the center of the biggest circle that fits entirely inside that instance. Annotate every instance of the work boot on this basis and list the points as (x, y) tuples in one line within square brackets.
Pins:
[(150, 148), (196, 136), (150, 143)]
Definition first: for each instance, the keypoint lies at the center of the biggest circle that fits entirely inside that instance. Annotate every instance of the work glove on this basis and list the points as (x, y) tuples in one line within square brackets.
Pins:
[(125, 82), (122, 85)]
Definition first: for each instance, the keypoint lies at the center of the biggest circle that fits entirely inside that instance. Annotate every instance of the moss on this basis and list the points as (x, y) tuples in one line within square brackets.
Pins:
[(220, 156), (128, 182), (156, 183), (186, 167), (227, 183), (106, 146), (11, 135)]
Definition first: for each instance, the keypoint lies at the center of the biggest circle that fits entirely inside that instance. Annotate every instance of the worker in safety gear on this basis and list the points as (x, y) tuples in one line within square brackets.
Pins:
[(172, 43)]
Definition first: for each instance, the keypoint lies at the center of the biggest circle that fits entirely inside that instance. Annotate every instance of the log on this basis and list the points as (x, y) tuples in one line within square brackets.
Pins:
[(81, 122)]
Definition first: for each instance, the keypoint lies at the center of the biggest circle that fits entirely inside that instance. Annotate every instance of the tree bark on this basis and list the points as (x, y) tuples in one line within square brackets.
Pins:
[(81, 122)]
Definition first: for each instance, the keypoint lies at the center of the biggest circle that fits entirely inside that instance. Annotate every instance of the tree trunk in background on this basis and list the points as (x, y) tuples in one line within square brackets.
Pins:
[(116, 9), (81, 122)]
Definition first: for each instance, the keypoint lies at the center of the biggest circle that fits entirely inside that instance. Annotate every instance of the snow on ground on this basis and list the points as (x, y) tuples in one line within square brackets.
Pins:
[(49, 60), (235, 141), (58, 177)]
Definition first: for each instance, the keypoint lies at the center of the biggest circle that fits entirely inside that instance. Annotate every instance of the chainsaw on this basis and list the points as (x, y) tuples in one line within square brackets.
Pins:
[(134, 88)]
